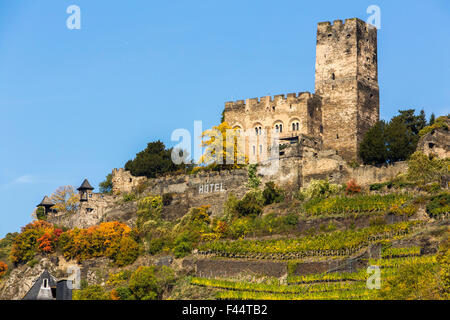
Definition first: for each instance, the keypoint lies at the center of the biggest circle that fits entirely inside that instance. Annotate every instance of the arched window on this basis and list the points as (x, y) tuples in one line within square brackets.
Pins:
[(295, 126), (254, 150), (278, 127), (256, 129), (260, 149)]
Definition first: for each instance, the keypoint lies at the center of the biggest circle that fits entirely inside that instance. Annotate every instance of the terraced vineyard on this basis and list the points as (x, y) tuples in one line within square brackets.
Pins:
[(357, 204), (338, 243), (329, 286)]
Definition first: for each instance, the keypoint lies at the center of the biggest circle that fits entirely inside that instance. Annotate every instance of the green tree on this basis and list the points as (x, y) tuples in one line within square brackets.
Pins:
[(411, 121), (424, 169), (432, 119), (372, 149), (401, 141), (106, 186), (154, 161), (148, 283)]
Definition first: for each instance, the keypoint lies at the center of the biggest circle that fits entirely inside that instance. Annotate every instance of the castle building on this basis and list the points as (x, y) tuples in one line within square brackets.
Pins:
[(345, 103)]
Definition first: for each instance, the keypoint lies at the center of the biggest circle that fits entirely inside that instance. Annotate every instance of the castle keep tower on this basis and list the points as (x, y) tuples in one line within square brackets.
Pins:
[(347, 81)]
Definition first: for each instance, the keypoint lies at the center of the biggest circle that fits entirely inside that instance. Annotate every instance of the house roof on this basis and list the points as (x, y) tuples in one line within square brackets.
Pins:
[(46, 202), (85, 186), (36, 292)]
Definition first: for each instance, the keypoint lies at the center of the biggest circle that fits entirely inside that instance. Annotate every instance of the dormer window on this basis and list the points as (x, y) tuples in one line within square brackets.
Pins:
[(45, 284)]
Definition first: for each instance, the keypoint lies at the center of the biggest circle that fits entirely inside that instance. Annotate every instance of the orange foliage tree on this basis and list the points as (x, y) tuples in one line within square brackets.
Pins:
[(3, 269), (27, 244), (109, 239)]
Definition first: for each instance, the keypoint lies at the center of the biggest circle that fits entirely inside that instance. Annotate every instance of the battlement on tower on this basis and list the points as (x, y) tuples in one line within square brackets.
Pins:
[(249, 103), (338, 25)]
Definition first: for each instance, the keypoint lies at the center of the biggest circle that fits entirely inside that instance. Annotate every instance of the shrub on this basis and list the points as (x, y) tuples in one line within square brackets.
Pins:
[(240, 228), (155, 245), (127, 253), (40, 213), (439, 205), (404, 210), (148, 283), (377, 186), (93, 292), (229, 208), (3, 269), (320, 188), (184, 244), (433, 187), (424, 169), (291, 219), (251, 204), (352, 187), (253, 181), (167, 199), (440, 122), (128, 197), (272, 194), (123, 293)]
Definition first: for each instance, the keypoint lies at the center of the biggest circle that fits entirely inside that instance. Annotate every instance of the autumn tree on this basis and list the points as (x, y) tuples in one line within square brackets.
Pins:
[(27, 244), (3, 269), (223, 147), (65, 199)]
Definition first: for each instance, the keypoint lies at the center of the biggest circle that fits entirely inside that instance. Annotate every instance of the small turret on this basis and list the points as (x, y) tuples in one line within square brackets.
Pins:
[(85, 189), (46, 203)]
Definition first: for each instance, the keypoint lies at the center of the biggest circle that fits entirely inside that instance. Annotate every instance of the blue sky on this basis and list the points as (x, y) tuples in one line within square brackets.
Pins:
[(76, 103)]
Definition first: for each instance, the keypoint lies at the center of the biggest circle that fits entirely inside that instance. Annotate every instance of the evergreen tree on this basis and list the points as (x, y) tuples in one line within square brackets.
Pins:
[(372, 149), (154, 161), (412, 122), (432, 119), (400, 140)]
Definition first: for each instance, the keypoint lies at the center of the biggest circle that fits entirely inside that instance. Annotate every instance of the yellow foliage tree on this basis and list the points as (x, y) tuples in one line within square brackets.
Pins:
[(223, 147), (65, 199)]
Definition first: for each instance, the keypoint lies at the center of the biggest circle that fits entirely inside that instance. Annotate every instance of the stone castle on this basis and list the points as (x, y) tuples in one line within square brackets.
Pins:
[(320, 134), (345, 103)]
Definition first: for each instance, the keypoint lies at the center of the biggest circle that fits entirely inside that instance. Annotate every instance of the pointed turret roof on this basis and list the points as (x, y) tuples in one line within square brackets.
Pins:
[(46, 202), (85, 186)]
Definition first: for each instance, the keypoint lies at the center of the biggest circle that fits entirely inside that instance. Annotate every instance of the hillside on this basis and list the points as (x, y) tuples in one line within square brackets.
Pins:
[(237, 234)]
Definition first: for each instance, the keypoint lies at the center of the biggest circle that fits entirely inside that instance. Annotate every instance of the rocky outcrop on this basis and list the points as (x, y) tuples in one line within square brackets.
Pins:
[(22, 278)]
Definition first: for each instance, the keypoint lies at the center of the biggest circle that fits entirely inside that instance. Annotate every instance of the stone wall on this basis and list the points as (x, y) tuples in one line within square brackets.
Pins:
[(436, 142), (204, 188), (123, 181), (99, 208)]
